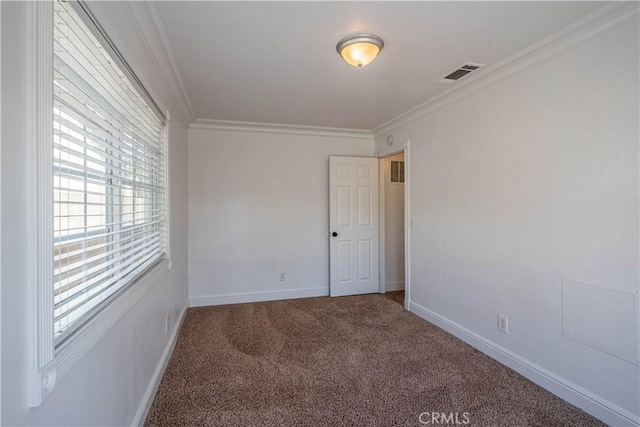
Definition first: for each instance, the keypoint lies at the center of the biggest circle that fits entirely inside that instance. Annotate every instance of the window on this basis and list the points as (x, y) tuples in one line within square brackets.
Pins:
[(99, 162), (397, 172), (108, 166)]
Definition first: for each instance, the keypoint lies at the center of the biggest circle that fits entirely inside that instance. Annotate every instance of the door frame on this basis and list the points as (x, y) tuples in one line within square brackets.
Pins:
[(407, 222)]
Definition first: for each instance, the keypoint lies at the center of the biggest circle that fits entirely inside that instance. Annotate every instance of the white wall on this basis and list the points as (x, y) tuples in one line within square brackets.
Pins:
[(520, 182), (107, 386), (394, 228), (258, 206)]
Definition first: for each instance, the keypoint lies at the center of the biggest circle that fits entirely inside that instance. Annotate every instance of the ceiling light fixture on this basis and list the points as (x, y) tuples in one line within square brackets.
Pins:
[(360, 49)]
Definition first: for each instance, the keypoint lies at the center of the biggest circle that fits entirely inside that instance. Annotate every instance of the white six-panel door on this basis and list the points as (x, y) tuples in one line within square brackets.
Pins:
[(353, 220)]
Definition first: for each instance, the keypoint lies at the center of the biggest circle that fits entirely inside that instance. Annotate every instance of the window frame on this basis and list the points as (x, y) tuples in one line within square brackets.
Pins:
[(49, 363)]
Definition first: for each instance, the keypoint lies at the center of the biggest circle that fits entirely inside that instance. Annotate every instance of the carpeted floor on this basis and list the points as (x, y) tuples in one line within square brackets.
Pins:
[(350, 361)]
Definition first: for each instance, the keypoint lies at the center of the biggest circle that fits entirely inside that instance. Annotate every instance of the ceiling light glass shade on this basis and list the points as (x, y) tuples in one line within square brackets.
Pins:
[(360, 49)]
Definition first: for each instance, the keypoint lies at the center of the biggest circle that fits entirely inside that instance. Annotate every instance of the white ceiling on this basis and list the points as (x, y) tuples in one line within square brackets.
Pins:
[(275, 62)]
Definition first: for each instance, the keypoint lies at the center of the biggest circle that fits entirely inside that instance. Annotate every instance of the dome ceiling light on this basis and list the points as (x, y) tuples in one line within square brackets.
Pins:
[(359, 50)]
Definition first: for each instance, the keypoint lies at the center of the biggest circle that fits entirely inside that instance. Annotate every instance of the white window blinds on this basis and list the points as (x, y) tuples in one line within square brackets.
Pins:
[(108, 176)]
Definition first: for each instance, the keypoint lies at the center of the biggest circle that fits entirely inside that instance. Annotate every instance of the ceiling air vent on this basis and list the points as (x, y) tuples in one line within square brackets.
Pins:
[(460, 72)]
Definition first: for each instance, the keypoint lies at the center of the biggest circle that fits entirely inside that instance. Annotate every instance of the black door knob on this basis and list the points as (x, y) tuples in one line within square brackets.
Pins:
[(334, 234)]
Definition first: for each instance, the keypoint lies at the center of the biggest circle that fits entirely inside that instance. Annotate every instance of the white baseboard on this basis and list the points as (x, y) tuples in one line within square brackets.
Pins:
[(147, 399), (394, 286), (257, 296), (595, 405)]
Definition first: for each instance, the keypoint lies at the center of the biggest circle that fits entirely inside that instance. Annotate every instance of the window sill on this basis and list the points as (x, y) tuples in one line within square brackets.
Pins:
[(71, 351)]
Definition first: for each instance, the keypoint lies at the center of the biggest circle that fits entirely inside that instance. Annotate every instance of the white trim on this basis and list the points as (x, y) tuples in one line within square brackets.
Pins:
[(92, 331), (0, 217), (44, 176), (407, 224), (174, 85), (42, 372), (145, 404), (167, 187), (174, 67), (382, 252), (591, 403), (603, 20), (245, 297), (394, 286), (236, 126)]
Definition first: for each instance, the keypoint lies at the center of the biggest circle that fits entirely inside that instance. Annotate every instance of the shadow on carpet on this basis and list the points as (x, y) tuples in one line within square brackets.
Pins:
[(350, 361)]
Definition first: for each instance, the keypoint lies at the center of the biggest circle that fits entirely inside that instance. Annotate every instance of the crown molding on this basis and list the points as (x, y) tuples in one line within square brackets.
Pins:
[(172, 60), (171, 79), (595, 24), (236, 126)]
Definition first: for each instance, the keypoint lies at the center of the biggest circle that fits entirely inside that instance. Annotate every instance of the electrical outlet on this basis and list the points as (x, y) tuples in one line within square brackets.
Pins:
[(283, 277), (166, 323), (503, 323)]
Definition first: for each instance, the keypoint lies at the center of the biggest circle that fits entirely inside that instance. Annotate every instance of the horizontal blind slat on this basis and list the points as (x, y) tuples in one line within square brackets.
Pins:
[(95, 124), (69, 282), (67, 324), (110, 166), (70, 172), (65, 264), (97, 149), (66, 165), (67, 87), (89, 61), (65, 256), (106, 279), (99, 141), (160, 219)]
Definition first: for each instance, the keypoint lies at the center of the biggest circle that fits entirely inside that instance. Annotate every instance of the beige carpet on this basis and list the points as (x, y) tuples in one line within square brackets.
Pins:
[(350, 361)]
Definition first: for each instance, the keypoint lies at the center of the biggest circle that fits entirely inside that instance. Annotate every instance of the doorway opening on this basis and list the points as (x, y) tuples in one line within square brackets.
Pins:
[(393, 227)]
